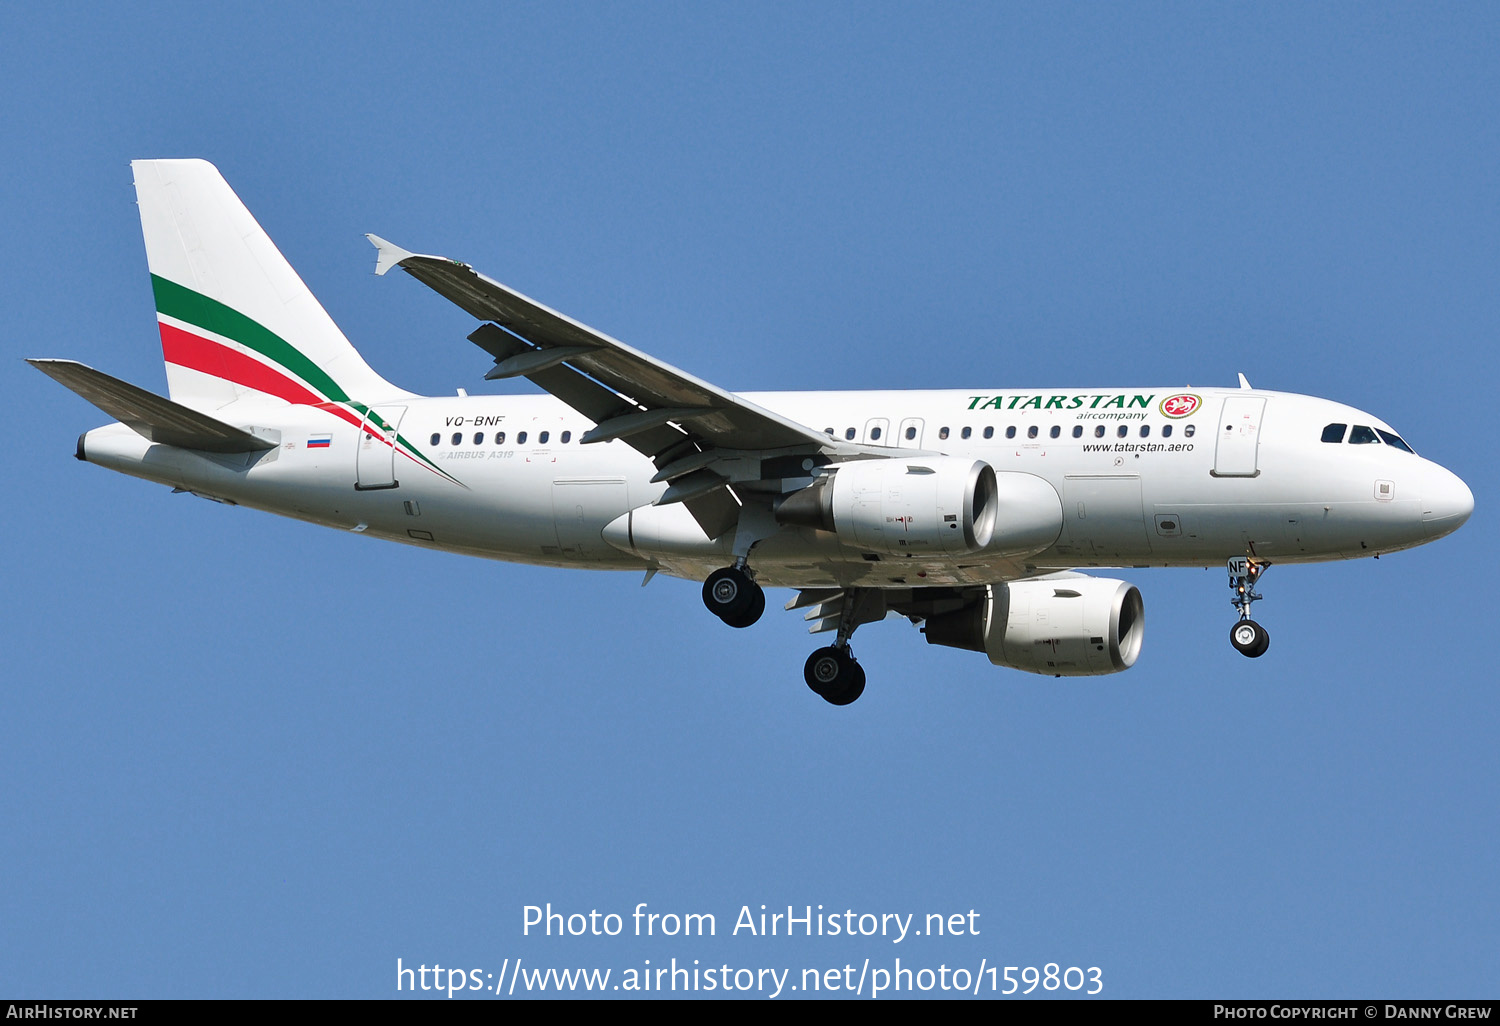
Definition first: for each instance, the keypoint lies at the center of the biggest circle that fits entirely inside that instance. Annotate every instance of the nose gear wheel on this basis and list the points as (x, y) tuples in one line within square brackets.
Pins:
[(1250, 638)]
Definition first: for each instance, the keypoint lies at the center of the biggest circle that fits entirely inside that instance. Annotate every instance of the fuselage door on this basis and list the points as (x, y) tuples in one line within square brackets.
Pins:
[(1239, 436), (375, 459), (910, 435)]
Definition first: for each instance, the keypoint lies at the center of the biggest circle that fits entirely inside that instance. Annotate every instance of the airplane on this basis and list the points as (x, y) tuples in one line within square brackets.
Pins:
[(973, 513)]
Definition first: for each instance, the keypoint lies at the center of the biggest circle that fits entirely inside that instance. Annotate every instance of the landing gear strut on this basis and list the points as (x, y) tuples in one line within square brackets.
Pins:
[(732, 595), (832, 673), (1247, 636)]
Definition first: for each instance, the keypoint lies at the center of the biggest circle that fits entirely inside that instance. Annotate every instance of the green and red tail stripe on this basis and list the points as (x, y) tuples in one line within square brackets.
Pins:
[(289, 373)]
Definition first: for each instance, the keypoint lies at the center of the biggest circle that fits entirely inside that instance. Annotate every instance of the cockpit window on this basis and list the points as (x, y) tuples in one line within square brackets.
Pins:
[(1362, 435), (1396, 440), (1334, 432)]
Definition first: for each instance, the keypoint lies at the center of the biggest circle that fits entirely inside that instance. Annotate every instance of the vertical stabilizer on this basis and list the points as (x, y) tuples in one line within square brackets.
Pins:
[(236, 320)]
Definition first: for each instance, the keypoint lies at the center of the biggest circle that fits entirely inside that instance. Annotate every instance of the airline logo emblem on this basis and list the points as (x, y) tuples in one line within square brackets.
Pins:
[(1184, 404)]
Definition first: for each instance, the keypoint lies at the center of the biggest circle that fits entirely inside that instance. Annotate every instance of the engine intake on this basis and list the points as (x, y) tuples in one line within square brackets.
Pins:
[(1067, 627)]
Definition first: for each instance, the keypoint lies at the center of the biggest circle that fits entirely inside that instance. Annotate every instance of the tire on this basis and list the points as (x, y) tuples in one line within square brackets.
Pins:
[(852, 689), (752, 614), (1260, 648), (730, 595), (834, 676), (824, 670), (1249, 638)]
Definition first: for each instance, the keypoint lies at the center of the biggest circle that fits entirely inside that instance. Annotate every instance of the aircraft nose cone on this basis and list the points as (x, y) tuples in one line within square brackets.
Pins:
[(1446, 500)]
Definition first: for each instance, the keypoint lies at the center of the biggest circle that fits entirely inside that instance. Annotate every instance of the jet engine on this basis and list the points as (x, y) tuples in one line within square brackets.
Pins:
[(931, 505), (1073, 626)]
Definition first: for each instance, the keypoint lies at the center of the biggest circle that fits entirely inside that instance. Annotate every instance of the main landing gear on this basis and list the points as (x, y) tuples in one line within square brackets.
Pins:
[(1249, 637), (834, 675), (732, 595)]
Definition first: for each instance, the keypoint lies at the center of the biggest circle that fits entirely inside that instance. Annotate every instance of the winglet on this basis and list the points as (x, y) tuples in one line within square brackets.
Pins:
[(388, 254), (1244, 382)]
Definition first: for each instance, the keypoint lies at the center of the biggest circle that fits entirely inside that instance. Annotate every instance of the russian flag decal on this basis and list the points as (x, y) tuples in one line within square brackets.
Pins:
[(320, 441)]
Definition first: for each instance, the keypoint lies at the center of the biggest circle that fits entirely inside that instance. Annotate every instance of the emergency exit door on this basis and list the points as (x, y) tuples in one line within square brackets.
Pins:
[(375, 457)]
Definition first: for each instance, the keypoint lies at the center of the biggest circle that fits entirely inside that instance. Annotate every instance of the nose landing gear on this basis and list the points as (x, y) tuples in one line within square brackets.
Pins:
[(1247, 636)]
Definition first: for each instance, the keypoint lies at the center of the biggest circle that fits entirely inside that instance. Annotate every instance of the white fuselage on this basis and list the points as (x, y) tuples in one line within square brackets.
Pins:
[(1245, 473)]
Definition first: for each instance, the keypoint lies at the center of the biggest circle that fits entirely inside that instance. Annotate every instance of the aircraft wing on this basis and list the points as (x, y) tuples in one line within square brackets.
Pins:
[(538, 338), (685, 425)]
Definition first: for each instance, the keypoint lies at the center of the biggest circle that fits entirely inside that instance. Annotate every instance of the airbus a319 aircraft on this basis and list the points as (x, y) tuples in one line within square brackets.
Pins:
[(969, 512)]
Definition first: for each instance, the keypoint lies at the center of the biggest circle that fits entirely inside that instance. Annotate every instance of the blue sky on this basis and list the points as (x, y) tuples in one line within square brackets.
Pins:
[(250, 757)]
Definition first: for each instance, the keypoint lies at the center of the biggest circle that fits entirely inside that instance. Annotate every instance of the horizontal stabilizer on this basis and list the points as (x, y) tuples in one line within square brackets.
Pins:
[(148, 414)]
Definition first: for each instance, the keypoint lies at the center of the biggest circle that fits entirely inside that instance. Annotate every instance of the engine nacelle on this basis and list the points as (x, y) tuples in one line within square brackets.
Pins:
[(922, 505), (930, 505), (1066, 627)]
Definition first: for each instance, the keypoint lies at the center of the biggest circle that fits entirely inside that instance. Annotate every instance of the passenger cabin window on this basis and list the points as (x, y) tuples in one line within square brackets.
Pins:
[(437, 439), (1362, 435), (520, 438), (1099, 431), (911, 433), (1190, 431), (479, 438), (942, 433), (1334, 432), (1122, 431), (968, 431), (1166, 431), (1077, 430), (1031, 431), (1145, 430), (1055, 431), (875, 434), (849, 434), (1010, 432), (458, 437), (499, 437), (989, 432), (541, 439), (567, 436)]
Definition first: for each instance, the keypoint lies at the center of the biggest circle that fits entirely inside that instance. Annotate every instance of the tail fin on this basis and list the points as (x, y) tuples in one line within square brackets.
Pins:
[(235, 319)]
